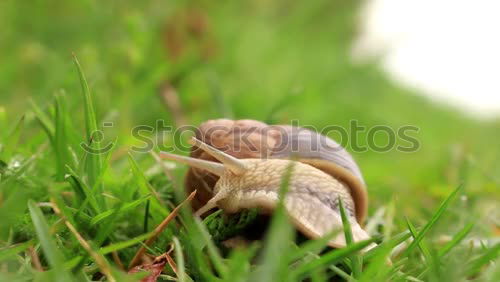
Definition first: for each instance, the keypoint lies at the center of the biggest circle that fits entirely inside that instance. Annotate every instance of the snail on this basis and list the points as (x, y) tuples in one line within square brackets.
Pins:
[(237, 165)]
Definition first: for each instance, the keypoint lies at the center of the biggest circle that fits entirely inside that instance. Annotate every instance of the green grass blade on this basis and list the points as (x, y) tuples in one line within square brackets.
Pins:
[(13, 199), (118, 211), (145, 225), (490, 255), (340, 273), (104, 167), (448, 247), (66, 211), (157, 205), (377, 269), (493, 275), (60, 139), (10, 251), (49, 247), (456, 239), (391, 243), (421, 245), (213, 252), (82, 191), (90, 116), (330, 258), (107, 227), (93, 164), (356, 260), (239, 263), (194, 242), (8, 181), (313, 246), (12, 141), (444, 205), (17, 277), (54, 256), (44, 120), (179, 259), (124, 244)]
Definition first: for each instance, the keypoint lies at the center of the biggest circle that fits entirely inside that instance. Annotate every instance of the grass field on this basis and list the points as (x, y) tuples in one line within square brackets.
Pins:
[(67, 215)]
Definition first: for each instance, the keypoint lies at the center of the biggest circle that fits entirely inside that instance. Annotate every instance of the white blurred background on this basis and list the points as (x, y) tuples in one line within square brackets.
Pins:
[(447, 49)]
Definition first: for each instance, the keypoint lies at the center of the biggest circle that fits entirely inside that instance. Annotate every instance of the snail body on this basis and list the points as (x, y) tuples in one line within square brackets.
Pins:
[(311, 198), (315, 186)]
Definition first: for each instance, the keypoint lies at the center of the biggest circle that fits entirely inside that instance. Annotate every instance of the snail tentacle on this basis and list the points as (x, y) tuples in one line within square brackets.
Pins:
[(233, 164), (213, 167)]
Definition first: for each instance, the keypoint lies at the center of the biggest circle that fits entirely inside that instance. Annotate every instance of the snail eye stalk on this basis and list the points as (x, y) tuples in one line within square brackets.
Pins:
[(213, 167), (231, 163)]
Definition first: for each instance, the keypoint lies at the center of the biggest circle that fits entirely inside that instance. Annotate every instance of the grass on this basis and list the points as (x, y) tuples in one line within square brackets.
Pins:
[(437, 208)]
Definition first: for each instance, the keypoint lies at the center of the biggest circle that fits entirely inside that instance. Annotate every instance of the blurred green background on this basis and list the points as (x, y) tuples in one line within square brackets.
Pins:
[(267, 60)]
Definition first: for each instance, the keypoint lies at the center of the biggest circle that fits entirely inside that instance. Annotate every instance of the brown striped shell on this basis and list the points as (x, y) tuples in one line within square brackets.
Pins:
[(245, 139)]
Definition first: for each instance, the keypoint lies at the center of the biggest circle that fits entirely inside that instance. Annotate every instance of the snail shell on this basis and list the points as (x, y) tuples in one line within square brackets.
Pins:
[(254, 139)]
